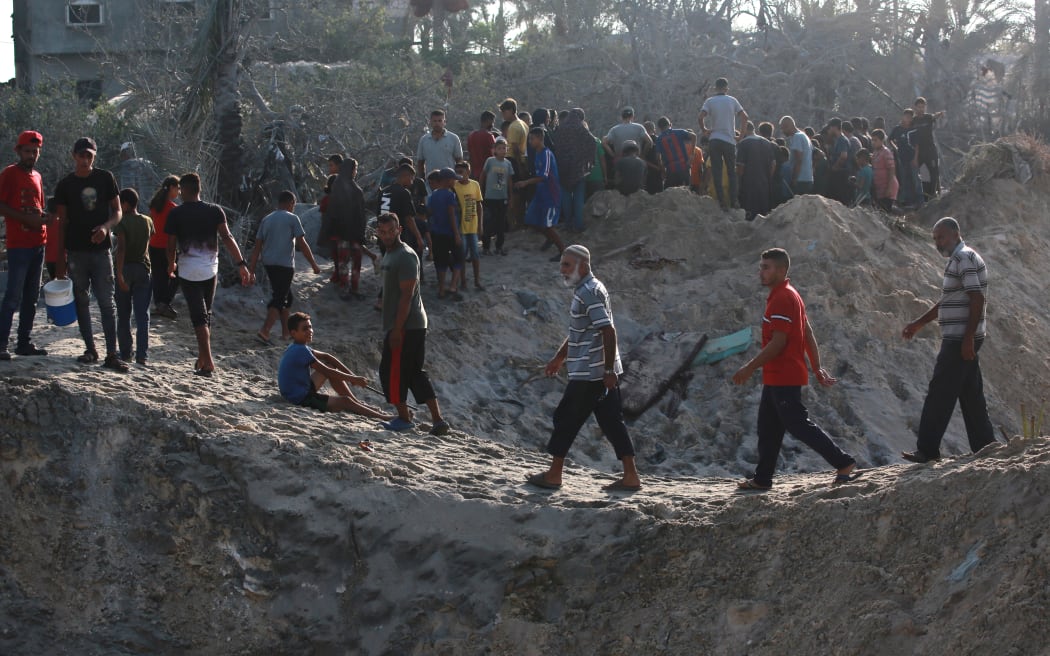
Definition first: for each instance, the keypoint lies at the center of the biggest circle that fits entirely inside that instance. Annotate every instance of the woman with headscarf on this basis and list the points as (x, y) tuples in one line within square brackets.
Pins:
[(574, 148)]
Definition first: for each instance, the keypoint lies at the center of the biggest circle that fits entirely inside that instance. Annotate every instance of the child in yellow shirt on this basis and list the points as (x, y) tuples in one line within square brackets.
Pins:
[(472, 218)]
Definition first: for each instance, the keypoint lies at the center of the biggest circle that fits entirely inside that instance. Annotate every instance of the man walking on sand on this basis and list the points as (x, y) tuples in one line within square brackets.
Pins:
[(197, 227), (787, 340), (404, 331), (280, 233), (592, 358), (957, 374), (88, 208), (22, 204)]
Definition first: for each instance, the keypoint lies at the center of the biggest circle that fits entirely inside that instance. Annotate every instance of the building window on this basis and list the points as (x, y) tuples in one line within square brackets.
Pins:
[(181, 6), (84, 12)]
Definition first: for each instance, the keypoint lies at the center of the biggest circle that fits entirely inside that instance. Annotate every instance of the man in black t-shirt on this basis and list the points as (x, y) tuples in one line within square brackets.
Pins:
[(902, 141), (925, 146), (397, 199), (88, 207), (195, 229)]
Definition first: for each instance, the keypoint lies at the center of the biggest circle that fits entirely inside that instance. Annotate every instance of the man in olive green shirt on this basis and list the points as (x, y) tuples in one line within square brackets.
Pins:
[(405, 331)]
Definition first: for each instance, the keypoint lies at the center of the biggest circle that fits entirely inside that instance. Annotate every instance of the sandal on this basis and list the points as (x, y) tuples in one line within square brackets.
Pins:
[(749, 485), (90, 357), (115, 363)]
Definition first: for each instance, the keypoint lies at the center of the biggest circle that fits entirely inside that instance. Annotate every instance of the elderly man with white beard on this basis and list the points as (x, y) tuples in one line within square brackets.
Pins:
[(592, 358)]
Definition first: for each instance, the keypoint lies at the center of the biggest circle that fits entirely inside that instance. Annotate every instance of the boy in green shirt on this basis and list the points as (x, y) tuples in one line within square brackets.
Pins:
[(132, 268)]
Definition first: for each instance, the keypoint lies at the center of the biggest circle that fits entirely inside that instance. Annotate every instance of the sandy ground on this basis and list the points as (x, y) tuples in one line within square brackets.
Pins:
[(157, 512)]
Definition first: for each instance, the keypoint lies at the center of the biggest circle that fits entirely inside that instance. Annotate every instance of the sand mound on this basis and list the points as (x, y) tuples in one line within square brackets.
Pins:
[(161, 513)]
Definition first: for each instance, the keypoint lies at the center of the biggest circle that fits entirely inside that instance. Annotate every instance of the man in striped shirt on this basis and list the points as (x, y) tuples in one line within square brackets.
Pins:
[(957, 374), (671, 145), (593, 360)]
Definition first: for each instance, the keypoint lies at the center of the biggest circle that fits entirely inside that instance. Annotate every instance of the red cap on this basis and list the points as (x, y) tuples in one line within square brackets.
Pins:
[(30, 138)]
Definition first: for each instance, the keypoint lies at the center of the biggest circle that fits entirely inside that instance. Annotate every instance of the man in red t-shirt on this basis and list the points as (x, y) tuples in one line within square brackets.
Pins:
[(480, 143), (22, 205), (786, 342)]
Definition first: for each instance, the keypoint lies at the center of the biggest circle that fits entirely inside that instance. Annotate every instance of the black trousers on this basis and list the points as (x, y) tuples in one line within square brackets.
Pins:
[(929, 157), (955, 380), (495, 223), (781, 411), (583, 398), (164, 286), (402, 370)]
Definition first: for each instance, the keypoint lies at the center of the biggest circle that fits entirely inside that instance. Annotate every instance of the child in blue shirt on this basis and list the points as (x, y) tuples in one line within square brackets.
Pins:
[(862, 181), (303, 371), (447, 243)]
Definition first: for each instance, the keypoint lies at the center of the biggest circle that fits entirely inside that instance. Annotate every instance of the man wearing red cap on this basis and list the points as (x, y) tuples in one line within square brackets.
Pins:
[(22, 205)]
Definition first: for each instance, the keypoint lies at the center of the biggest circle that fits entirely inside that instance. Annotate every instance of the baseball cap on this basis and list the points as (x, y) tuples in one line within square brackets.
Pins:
[(627, 111), (630, 143), (501, 140), (30, 138), (127, 145), (449, 174), (85, 144)]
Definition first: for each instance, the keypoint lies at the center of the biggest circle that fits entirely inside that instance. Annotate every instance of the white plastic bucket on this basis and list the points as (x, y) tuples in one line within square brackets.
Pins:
[(58, 296)]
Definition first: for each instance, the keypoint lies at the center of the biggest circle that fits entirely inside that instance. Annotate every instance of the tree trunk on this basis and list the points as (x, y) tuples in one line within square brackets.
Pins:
[(440, 31), (226, 112), (1041, 65)]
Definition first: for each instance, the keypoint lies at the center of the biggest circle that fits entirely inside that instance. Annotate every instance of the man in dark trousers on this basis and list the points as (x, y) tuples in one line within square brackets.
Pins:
[(196, 228), (957, 374), (22, 205), (592, 358), (787, 340), (404, 332), (88, 208)]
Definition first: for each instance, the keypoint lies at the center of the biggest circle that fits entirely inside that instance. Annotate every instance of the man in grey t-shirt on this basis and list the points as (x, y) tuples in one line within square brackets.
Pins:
[(439, 148), (624, 131), (592, 358), (280, 232), (404, 332), (723, 109)]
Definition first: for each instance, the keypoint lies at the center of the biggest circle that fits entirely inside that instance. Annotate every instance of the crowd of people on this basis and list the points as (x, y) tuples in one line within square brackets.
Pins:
[(452, 206)]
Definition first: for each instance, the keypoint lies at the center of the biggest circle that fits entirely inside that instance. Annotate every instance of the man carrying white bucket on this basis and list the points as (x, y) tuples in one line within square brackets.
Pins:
[(88, 208), (22, 205)]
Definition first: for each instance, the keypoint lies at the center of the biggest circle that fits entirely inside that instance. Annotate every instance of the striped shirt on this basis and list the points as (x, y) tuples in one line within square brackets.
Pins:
[(589, 313), (964, 273), (671, 144)]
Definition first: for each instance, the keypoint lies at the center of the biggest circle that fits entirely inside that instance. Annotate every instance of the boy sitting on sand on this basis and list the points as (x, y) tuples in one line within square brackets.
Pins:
[(300, 385)]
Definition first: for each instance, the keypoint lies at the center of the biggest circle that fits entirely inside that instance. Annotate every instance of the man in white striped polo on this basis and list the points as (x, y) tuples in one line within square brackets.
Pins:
[(957, 374), (592, 358)]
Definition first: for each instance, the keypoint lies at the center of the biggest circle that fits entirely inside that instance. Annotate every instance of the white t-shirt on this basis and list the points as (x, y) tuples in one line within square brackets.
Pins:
[(721, 111)]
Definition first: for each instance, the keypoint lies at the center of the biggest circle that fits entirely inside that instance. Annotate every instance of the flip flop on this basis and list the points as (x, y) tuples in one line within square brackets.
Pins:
[(749, 485), (265, 340), (620, 486), (366, 446), (847, 478), (540, 481)]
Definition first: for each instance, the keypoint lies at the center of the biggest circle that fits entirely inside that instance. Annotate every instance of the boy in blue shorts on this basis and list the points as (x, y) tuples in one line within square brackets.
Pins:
[(545, 207), (447, 243), (303, 371)]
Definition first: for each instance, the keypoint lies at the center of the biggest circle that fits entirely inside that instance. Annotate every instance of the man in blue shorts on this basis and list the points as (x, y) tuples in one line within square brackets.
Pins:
[(303, 371), (545, 207)]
